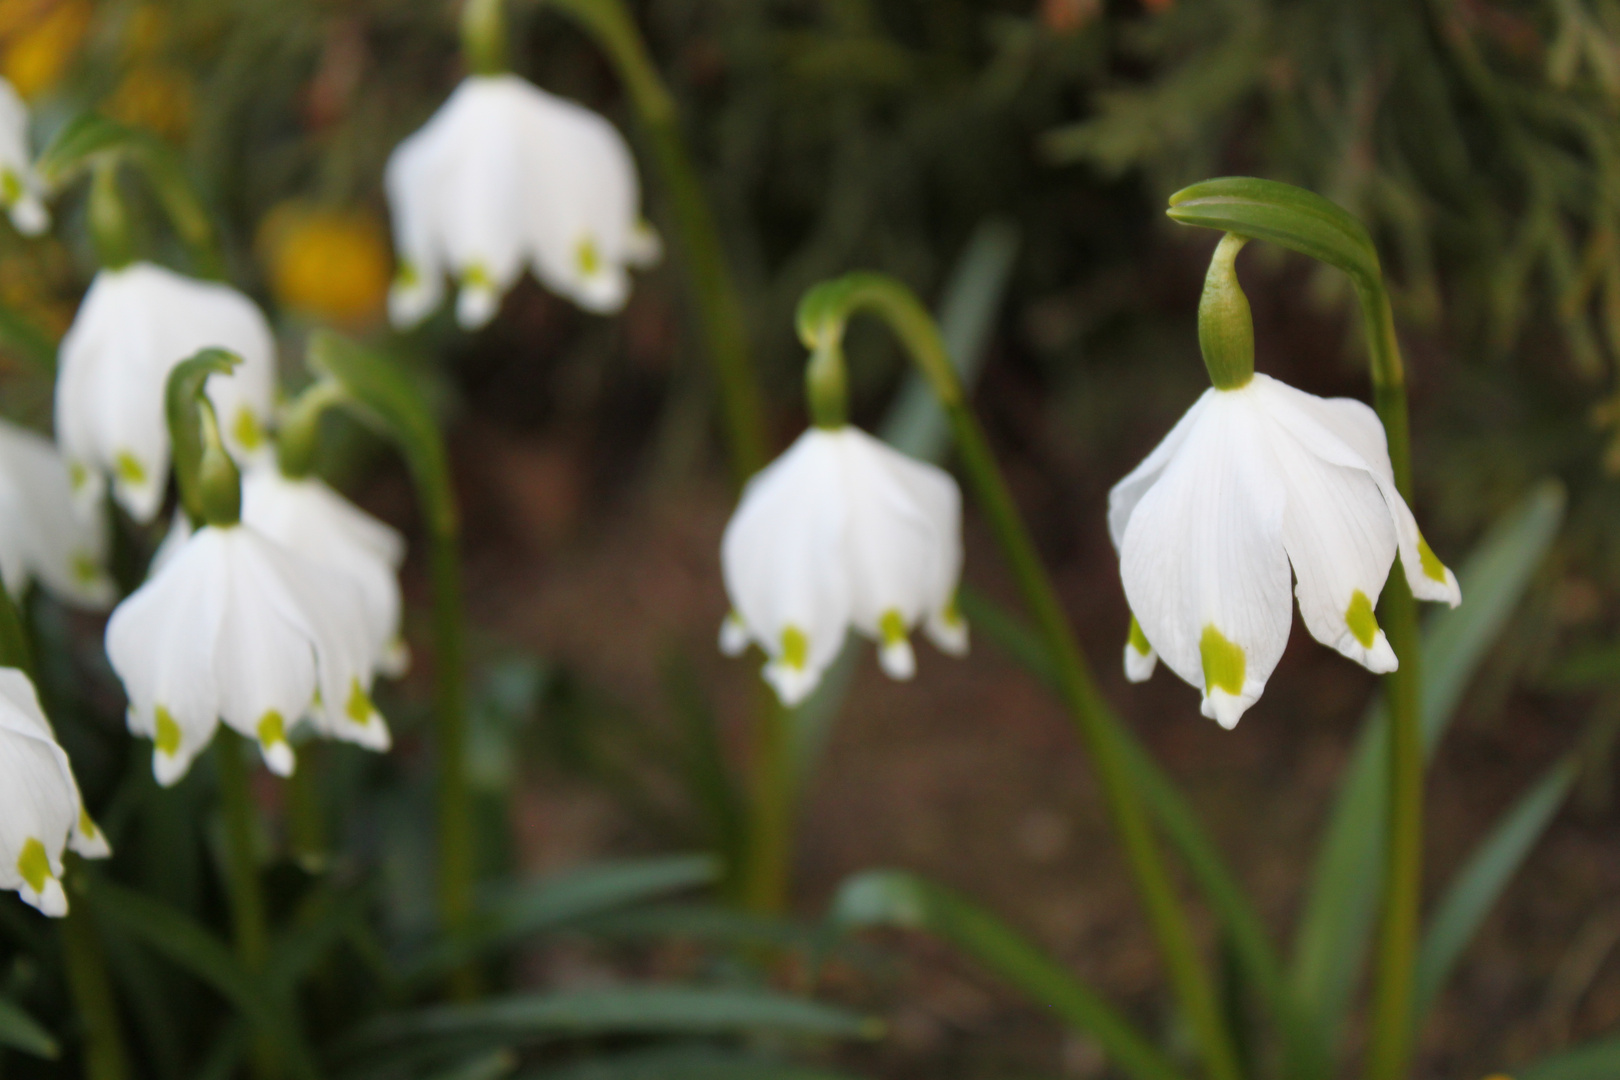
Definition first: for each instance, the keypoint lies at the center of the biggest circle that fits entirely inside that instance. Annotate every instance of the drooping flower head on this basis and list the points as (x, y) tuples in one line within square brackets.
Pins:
[(506, 176), (235, 627), (1255, 478), (20, 188), (842, 531), (43, 536), (309, 518), (135, 324), (40, 810)]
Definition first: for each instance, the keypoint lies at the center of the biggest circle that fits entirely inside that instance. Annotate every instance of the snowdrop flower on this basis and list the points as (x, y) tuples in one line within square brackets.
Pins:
[(1250, 481), (20, 188), (842, 531), (233, 626), (505, 175), (135, 325), (42, 535), (309, 518), (40, 809)]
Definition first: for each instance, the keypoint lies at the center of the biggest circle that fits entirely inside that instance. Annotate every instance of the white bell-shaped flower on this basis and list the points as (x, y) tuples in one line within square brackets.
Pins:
[(505, 176), (306, 516), (40, 809), (21, 192), (43, 537), (233, 626), (1250, 481), (842, 531), (135, 324)]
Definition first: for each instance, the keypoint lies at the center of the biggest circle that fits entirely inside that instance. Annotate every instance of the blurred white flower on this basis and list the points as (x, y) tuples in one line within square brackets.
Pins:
[(40, 809), (1249, 481), (20, 189), (42, 535), (233, 626), (311, 519), (134, 326), (842, 531), (505, 176)]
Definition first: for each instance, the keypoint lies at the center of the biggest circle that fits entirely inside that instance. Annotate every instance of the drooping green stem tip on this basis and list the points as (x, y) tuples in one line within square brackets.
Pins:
[(110, 228), (822, 315), (1225, 326)]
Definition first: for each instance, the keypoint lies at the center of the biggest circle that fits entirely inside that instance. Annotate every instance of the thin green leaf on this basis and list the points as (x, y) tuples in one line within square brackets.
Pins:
[(709, 923), (1482, 880), (1599, 1060), (490, 1066), (896, 898), (533, 908), (630, 1010), (703, 760), (187, 944), (1342, 902), (22, 1032), (683, 1063), (77, 144)]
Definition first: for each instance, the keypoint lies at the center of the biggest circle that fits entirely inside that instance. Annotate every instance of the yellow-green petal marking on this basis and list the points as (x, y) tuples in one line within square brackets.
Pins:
[(167, 738), (34, 865), (1224, 662), (1359, 617), (795, 648), (1433, 568), (1139, 641), (892, 627)]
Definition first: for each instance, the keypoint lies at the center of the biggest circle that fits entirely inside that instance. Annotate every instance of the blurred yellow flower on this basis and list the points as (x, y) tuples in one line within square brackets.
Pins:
[(332, 264), (38, 39)]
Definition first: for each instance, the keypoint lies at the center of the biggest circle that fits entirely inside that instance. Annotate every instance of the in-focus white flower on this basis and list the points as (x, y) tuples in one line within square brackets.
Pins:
[(233, 626), (135, 324), (21, 192), (311, 519), (43, 536), (842, 531), (505, 176), (40, 809), (1249, 481)]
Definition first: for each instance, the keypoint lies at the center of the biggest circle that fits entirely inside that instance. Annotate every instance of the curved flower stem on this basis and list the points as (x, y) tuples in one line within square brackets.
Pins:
[(1390, 1049), (822, 317), (720, 311), (248, 917)]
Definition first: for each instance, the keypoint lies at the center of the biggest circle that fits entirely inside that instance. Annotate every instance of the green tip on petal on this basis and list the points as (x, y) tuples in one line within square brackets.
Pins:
[(477, 276), (168, 732), (1224, 662), (87, 825), (11, 186), (1359, 616), (359, 707), (34, 865), (1139, 641), (85, 568), (247, 429), (408, 277), (129, 468), (1433, 568), (78, 475), (892, 627), (795, 648), (587, 259), (272, 729)]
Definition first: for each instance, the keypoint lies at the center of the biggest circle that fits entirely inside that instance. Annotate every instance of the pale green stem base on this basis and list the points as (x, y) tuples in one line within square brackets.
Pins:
[(105, 1057)]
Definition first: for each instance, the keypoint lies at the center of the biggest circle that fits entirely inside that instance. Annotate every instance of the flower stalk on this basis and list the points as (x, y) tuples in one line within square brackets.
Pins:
[(248, 920), (105, 1057), (823, 314), (1313, 226), (483, 37)]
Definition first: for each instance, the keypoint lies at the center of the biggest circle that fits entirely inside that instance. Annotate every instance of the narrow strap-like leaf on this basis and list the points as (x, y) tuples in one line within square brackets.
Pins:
[(1482, 880), (22, 1032), (896, 898)]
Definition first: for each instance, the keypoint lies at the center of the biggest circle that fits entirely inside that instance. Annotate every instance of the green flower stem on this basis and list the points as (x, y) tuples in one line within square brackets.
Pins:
[(110, 228), (720, 310), (483, 37), (105, 1057), (771, 822), (248, 919), (822, 316), (1389, 1052), (306, 821), (456, 834)]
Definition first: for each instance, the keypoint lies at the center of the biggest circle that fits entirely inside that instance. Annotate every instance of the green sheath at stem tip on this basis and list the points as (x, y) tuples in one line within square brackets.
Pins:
[(483, 37), (1225, 326)]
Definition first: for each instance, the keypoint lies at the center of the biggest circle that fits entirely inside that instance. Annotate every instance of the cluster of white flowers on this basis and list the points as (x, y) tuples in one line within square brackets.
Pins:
[(284, 617)]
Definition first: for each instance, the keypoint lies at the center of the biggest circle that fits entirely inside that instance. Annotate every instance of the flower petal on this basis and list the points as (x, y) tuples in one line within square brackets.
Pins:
[(1123, 496), (1203, 561)]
